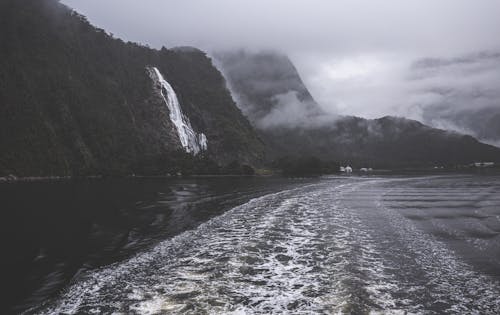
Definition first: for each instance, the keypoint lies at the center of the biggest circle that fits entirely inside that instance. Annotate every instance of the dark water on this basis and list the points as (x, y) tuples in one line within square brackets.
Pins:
[(424, 245), (54, 232)]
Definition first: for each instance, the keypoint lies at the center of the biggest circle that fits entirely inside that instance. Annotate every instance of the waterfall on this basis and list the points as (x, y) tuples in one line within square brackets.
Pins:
[(191, 141)]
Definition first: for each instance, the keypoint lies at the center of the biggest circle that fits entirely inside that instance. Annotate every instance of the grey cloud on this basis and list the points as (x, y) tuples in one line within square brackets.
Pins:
[(343, 26), (290, 111), (459, 93)]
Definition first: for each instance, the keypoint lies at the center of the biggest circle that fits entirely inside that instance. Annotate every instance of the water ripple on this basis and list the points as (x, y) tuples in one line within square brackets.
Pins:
[(340, 246)]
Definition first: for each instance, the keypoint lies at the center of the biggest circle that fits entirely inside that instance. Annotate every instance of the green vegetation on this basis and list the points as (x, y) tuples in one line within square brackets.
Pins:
[(76, 101)]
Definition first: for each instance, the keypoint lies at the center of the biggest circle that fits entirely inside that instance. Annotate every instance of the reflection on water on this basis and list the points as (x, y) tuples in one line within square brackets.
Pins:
[(338, 245), (56, 231)]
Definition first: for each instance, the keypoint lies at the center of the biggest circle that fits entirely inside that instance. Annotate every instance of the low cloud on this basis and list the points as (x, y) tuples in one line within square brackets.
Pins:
[(455, 93), (458, 93), (291, 112)]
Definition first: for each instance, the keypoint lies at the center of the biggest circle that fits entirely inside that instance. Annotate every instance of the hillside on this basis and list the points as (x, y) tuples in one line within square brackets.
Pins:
[(76, 101), (484, 123), (267, 87), (307, 131), (388, 142)]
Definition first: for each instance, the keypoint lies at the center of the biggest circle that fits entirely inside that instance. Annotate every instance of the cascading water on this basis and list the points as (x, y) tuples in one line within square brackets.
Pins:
[(191, 141)]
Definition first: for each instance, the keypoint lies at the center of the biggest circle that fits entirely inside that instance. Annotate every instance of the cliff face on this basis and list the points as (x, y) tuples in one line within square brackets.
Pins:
[(203, 94), (75, 101), (267, 87), (299, 128)]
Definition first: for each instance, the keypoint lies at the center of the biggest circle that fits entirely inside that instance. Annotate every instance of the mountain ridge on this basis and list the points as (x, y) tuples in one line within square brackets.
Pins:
[(75, 101), (384, 142)]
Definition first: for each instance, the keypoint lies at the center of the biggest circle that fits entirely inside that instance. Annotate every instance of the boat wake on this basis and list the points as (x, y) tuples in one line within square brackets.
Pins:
[(339, 246)]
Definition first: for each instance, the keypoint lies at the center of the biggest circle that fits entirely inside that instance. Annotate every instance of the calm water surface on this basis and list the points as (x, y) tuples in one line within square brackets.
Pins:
[(348, 245)]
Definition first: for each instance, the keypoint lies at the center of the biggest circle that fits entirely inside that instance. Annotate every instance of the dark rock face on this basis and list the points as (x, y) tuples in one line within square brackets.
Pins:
[(75, 101), (384, 142)]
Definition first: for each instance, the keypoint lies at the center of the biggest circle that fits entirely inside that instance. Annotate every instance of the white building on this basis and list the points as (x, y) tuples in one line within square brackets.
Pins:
[(484, 164)]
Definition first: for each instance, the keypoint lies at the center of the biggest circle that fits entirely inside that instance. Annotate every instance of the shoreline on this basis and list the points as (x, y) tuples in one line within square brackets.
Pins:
[(15, 179)]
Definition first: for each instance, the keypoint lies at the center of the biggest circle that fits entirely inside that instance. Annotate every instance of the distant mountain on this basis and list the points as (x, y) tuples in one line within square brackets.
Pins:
[(482, 123), (76, 101), (490, 128), (267, 86), (383, 143), (460, 93), (300, 127)]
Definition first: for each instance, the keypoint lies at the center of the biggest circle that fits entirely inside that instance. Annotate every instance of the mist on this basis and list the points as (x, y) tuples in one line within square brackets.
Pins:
[(433, 61)]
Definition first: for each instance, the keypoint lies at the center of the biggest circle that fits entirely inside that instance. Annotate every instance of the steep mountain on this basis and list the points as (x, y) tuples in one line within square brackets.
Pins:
[(76, 101), (301, 129), (267, 87)]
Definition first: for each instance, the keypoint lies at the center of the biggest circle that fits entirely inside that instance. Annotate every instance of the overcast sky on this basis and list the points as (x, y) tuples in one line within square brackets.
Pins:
[(357, 57)]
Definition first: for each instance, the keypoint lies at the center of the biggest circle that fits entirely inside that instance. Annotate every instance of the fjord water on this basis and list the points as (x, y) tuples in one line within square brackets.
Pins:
[(55, 231), (353, 245)]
